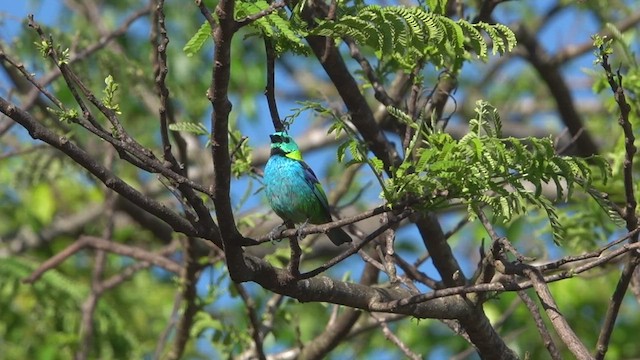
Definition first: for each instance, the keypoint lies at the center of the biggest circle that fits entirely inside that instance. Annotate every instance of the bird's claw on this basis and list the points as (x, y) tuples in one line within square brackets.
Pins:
[(299, 234), (275, 232)]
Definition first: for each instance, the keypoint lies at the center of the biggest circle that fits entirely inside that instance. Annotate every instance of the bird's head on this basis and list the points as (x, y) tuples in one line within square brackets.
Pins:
[(283, 144)]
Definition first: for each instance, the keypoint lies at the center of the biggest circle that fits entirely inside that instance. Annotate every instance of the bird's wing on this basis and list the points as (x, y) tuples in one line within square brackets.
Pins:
[(312, 179)]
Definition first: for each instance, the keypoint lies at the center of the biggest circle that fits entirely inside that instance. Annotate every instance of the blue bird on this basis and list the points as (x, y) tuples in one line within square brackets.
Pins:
[(293, 190)]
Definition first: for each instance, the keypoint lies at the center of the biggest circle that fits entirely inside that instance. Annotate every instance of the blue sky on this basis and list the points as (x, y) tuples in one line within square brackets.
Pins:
[(13, 13)]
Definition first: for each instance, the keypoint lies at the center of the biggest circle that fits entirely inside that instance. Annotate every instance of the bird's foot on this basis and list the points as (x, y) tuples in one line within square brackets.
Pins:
[(300, 229), (277, 231)]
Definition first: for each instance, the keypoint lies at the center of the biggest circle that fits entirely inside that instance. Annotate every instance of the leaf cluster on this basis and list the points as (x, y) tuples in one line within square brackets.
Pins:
[(189, 127), (110, 91), (286, 34), (483, 169), (273, 24), (408, 35), (403, 35)]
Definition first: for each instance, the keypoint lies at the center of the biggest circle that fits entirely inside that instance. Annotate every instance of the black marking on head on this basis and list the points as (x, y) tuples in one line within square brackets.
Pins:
[(275, 138)]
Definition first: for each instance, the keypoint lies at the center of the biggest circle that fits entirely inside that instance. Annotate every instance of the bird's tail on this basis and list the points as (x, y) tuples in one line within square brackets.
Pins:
[(338, 236)]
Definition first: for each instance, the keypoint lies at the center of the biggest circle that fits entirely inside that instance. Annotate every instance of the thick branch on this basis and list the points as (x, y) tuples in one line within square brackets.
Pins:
[(336, 331), (559, 322), (219, 98), (356, 103), (369, 298)]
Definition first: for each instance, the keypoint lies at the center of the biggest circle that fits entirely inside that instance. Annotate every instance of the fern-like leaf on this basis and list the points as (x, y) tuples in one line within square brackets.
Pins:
[(198, 39), (190, 127), (410, 34), (484, 169)]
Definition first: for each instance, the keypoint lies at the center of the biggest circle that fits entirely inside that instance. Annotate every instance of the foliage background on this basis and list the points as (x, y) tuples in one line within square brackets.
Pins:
[(47, 203)]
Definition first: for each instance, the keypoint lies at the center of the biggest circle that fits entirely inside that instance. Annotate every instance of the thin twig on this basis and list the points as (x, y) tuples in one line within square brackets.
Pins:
[(370, 260), (380, 92), (630, 208), (541, 287), (559, 322), (571, 52), (173, 320), (131, 270), (102, 244), (254, 320), (355, 248), (386, 243), (464, 221), (413, 273), (542, 329), (394, 339), (269, 315), (273, 7), (190, 276), (554, 265), (329, 42), (269, 90), (195, 210), (412, 110), (339, 326), (89, 305), (160, 41), (550, 73), (27, 75), (505, 285), (22, 151), (314, 229), (122, 141)]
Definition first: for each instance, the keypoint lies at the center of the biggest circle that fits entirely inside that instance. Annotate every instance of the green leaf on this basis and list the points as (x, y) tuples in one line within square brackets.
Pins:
[(44, 203), (198, 39), (484, 168), (411, 34), (110, 91), (437, 6), (190, 127), (286, 35)]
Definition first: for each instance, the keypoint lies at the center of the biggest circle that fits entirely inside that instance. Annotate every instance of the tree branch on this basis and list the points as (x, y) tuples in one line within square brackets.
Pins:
[(39, 132), (630, 208), (542, 328), (394, 339), (572, 52), (270, 88), (550, 74), (335, 331), (190, 276), (538, 282), (106, 245), (256, 334), (89, 306), (361, 114), (218, 96)]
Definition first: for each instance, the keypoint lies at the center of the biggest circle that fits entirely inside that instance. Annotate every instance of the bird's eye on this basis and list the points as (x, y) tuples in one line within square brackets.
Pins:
[(287, 140)]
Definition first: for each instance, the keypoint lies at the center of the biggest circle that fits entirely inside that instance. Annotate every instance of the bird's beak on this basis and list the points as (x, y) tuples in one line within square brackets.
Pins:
[(275, 138)]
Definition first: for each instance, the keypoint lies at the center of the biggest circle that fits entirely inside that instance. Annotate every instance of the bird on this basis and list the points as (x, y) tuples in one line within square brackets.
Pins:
[(293, 190)]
